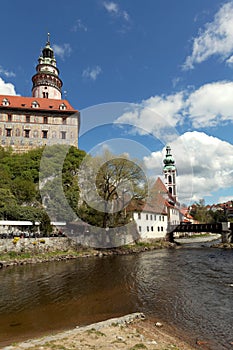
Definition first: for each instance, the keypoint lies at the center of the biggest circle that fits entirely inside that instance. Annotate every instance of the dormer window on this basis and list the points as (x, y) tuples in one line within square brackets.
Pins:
[(35, 104), (5, 102), (62, 106)]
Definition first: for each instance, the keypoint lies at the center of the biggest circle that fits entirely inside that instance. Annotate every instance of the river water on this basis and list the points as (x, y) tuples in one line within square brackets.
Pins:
[(189, 289)]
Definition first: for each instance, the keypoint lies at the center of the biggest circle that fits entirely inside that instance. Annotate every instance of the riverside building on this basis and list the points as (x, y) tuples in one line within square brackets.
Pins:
[(42, 119)]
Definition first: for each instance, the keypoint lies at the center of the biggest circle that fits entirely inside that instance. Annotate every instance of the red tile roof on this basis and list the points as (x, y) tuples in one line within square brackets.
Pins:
[(21, 102)]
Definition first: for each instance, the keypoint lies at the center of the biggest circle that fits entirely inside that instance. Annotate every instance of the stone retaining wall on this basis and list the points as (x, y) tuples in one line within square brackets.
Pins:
[(38, 245)]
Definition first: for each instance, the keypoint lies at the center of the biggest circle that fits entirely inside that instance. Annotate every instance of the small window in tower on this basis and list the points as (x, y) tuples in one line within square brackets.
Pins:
[(26, 133), (44, 134), (170, 190), (9, 118), (8, 132), (45, 94), (27, 118), (169, 179), (45, 120), (63, 135)]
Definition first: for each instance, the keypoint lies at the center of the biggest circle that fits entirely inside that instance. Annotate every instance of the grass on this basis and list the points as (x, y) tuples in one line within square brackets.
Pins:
[(138, 346)]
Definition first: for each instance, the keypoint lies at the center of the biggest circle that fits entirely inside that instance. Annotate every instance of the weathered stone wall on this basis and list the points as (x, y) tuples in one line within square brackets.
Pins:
[(38, 245)]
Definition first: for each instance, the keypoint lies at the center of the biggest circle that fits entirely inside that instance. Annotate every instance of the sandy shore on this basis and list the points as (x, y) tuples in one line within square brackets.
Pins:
[(130, 332)]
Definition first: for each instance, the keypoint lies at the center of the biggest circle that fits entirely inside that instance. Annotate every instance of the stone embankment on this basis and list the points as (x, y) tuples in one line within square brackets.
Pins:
[(32, 251)]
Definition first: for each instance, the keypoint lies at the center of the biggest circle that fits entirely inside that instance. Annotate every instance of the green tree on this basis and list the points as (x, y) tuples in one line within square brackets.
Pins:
[(111, 183)]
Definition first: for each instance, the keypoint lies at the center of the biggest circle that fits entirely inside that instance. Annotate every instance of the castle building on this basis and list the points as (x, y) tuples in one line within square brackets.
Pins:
[(43, 119)]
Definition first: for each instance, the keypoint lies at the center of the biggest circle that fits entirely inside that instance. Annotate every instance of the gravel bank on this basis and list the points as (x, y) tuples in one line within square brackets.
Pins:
[(130, 332)]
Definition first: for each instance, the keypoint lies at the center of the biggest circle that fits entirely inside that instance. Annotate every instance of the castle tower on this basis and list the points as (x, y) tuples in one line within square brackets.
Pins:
[(46, 82), (169, 171)]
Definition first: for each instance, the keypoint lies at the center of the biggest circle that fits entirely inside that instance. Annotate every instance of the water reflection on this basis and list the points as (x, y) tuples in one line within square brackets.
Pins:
[(188, 288)]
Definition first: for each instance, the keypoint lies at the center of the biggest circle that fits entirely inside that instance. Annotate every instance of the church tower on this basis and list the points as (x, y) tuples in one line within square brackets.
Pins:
[(169, 171), (46, 82)]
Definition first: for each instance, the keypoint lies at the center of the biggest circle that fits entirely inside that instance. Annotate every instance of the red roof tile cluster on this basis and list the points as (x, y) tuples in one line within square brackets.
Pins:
[(21, 102), (158, 202)]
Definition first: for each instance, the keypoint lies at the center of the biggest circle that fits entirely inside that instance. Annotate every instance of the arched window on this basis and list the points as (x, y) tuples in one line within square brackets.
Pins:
[(169, 179)]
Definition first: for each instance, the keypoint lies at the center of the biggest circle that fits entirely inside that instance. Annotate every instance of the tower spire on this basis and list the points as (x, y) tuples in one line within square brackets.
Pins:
[(48, 39), (169, 171), (46, 82)]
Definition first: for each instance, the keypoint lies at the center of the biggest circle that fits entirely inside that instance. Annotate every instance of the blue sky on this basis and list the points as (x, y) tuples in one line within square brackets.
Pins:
[(163, 69)]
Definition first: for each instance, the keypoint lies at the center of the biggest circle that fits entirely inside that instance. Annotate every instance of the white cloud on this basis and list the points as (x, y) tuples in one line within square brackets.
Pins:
[(6, 88), (114, 9), (92, 73), (79, 26), (63, 50), (111, 7), (215, 39), (6, 73), (156, 115), (211, 104), (204, 164), (224, 199), (208, 106)]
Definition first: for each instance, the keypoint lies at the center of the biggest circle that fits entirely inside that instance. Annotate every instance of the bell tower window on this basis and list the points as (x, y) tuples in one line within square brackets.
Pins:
[(45, 94)]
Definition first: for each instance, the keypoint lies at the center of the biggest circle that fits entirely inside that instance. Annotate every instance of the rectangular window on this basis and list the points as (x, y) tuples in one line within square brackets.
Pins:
[(146, 216), (8, 132), (64, 120), (158, 228), (155, 217), (140, 228), (151, 217), (139, 216), (26, 133), (163, 218), (152, 228), (44, 134), (9, 118), (147, 228), (45, 120), (63, 135), (161, 228), (159, 217), (27, 118)]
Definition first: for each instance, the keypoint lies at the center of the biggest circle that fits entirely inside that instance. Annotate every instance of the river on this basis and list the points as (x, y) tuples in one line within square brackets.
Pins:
[(189, 289)]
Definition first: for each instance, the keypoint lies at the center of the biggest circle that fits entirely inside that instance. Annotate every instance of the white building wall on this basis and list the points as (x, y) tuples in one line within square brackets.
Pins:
[(174, 216), (151, 225)]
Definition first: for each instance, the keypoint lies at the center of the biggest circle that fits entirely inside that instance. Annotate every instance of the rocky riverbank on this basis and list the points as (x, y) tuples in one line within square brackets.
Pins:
[(130, 332), (34, 257)]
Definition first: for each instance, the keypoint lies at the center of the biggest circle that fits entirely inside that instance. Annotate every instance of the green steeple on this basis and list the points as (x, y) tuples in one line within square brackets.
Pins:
[(169, 162)]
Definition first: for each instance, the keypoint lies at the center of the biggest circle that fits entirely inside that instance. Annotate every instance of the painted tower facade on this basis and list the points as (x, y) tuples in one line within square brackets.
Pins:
[(169, 171), (43, 119)]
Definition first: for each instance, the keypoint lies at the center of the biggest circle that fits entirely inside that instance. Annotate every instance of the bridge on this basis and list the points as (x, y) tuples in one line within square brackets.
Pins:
[(223, 228)]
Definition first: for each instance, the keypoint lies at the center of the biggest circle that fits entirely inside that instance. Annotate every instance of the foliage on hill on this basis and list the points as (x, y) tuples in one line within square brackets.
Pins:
[(204, 214), (20, 197)]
